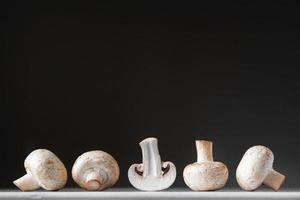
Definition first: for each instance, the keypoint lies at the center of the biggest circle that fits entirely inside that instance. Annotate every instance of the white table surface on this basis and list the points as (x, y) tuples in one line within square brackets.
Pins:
[(130, 193)]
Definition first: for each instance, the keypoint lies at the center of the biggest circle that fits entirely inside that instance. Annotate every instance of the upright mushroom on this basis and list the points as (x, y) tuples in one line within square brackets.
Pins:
[(152, 174), (205, 174), (44, 169), (256, 168), (95, 170)]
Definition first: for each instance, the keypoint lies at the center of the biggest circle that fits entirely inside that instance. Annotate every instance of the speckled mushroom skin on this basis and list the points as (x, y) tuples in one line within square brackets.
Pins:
[(47, 169), (205, 174), (95, 167), (256, 167)]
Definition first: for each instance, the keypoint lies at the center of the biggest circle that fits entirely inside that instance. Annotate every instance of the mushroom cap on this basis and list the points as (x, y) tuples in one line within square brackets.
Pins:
[(205, 176), (98, 161), (47, 169), (254, 167), (152, 183)]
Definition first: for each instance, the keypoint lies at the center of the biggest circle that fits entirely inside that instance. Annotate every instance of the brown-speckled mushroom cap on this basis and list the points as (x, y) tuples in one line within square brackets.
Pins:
[(47, 169), (254, 167), (95, 170), (205, 176)]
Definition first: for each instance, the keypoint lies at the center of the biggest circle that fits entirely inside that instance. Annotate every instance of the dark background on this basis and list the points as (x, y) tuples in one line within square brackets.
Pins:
[(79, 77)]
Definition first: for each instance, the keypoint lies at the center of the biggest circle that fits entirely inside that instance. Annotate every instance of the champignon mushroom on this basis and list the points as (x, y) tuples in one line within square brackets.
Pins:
[(152, 174), (205, 174), (256, 168), (44, 169), (95, 170)]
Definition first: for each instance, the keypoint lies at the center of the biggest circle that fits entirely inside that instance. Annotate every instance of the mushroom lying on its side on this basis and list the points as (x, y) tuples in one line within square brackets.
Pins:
[(205, 174), (44, 169), (95, 170), (152, 174), (256, 168)]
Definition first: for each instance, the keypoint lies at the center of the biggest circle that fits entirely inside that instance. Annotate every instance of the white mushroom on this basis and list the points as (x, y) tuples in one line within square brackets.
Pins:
[(95, 170), (152, 174), (44, 169), (256, 168), (205, 174)]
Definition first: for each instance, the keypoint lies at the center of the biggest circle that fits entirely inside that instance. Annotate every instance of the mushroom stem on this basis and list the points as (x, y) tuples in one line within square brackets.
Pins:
[(93, 181), (151, 158), (27, 183), (274, 179), (204, 151)]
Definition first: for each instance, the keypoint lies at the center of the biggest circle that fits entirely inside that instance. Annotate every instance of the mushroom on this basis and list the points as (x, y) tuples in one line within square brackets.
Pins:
[(152, 174), (95, 170), (256, 168), (205, 174), (44, 169)]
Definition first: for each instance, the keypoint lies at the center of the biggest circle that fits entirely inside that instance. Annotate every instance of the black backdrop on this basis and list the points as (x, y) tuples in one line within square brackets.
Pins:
[(79, 77)]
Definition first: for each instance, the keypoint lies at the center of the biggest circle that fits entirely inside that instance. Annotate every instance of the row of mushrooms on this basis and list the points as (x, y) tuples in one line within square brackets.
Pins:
[(98, 170)]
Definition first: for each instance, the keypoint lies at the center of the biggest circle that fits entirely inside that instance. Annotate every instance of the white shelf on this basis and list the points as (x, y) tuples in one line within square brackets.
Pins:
[(118, 194)]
